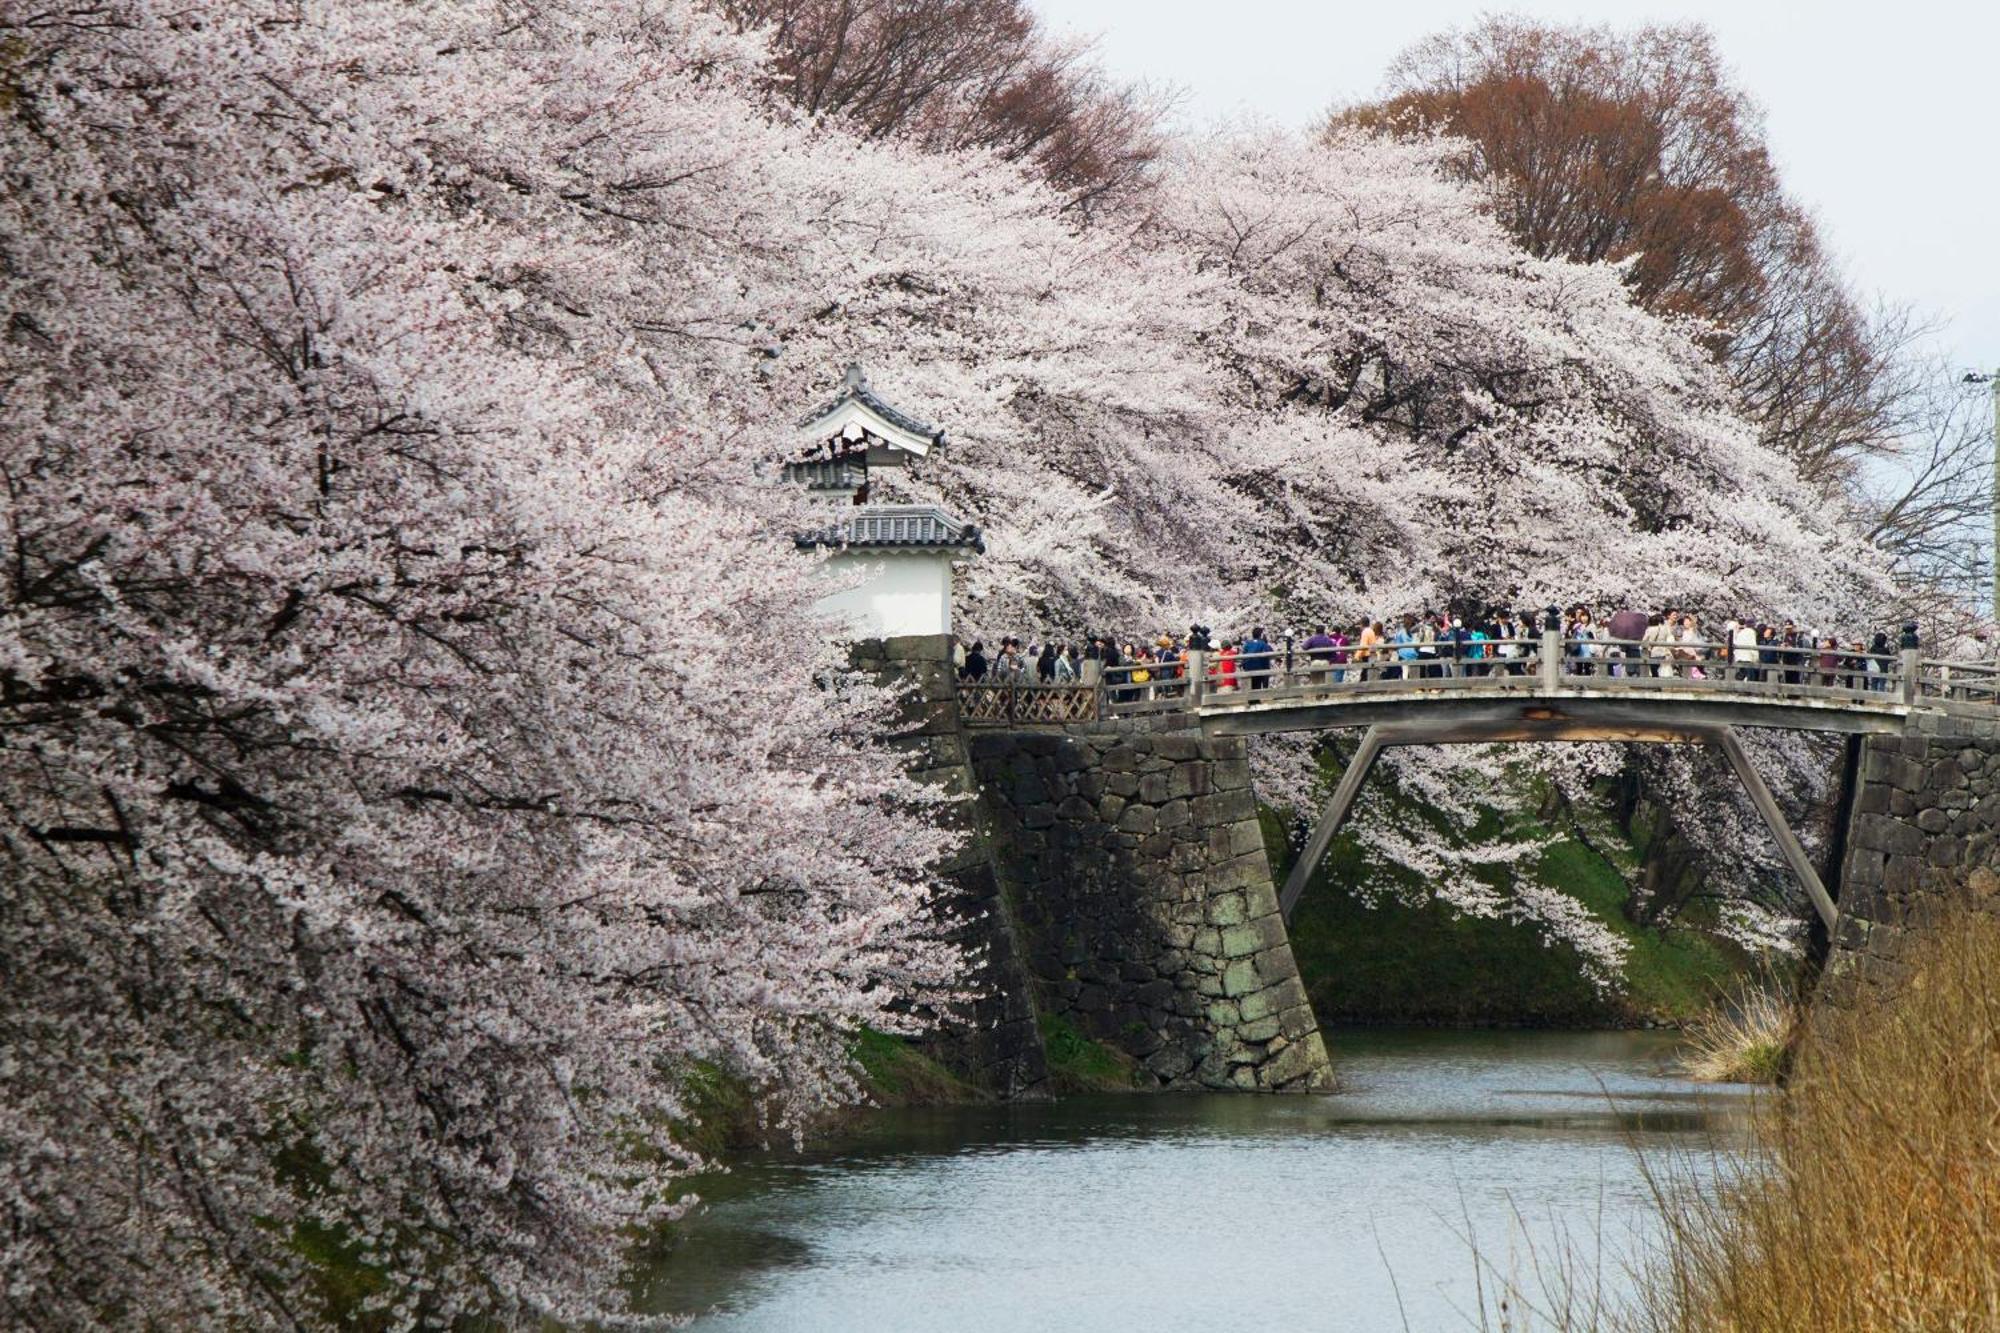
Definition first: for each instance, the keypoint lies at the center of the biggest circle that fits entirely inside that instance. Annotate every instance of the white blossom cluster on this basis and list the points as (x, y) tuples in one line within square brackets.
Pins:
[(419, 751)]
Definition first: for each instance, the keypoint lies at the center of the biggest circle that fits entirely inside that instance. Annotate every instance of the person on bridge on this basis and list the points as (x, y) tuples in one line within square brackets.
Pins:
[(1319, 647), (1371, 641), (1225, 666), (1066, 665), (1475, 650), (1767, 652), (1628, 631), (1045, 665), (1657, 644), (1405, 640), (1879, 653), (1169, 656), (1452, 646), (1743, 639), (1007, 666), (1427, 646), (1585, 635), (1514, 630), (1793, 649), (1257, 657), (1691, 648), (1111, 662)]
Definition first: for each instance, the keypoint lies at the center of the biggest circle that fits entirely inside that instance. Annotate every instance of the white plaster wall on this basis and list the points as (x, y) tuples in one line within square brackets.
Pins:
[(900, 592)]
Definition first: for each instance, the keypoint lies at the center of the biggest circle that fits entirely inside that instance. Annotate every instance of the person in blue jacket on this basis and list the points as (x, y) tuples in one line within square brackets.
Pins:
[(1254, 659)]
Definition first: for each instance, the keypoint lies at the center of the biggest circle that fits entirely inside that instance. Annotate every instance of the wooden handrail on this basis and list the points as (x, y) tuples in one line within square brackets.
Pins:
[(1548, 665)]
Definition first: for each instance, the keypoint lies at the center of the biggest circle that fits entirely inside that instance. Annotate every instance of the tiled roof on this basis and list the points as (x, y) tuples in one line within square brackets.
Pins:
[(855, 388), (907, 527)]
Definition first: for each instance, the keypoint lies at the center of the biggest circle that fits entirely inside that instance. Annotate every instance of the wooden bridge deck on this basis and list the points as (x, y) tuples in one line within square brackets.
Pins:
[(1546, 689), (1549, 690)]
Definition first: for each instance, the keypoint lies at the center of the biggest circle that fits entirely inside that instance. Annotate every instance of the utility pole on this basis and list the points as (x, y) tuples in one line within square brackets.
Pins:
[(1992, 382)]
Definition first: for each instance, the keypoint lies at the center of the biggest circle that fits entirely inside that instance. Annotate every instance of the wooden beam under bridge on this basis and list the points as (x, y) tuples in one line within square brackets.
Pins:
[(1545, 725)]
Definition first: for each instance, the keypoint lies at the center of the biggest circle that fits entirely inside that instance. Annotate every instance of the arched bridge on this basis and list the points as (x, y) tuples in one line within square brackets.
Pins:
[(1545, 689)]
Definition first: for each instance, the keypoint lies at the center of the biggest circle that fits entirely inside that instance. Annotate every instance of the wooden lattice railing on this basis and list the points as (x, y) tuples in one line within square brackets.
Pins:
[(984, 703)]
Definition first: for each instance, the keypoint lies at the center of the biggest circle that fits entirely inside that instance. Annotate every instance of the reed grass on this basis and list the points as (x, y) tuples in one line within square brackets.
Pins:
[(1743, 1038), (1871, 1199), (1867, 1198)]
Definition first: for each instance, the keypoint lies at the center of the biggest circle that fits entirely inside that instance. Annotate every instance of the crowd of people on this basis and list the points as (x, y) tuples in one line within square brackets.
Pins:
[(1670, 643)]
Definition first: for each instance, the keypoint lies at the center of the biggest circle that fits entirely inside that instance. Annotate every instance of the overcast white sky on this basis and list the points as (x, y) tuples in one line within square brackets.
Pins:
[(1884, 117)]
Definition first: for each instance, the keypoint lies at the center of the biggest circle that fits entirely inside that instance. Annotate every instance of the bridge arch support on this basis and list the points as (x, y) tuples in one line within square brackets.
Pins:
[(1552, 725)]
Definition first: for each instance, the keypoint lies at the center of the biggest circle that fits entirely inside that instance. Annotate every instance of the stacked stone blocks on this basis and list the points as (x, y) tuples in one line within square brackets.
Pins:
[(1134, 859), (1925, 829)]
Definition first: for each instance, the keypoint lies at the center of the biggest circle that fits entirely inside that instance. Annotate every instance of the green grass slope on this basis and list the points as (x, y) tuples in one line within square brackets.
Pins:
[(1393, 962)]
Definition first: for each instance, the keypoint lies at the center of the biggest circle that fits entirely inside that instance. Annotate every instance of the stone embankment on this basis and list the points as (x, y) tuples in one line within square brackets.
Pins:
[(1926, 828), (1135, 864), (1113, 878)]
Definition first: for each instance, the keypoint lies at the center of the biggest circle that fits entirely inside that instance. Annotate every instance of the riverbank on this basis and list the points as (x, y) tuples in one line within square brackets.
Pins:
[(1870, 1197), (894, 1073)]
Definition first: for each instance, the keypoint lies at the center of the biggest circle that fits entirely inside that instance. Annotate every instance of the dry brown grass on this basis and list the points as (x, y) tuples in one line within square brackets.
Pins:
[(1872, 1199), (1743, 1039)]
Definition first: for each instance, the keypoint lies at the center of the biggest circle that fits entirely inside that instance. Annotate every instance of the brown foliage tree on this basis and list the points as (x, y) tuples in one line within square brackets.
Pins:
[(957, 74), (1611, 147), (1637, 147)]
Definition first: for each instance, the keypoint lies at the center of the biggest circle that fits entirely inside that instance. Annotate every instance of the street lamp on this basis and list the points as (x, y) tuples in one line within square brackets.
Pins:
[(1993, 381)]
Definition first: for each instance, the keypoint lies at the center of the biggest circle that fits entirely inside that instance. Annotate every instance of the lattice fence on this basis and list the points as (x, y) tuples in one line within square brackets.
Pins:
[(993, 705)]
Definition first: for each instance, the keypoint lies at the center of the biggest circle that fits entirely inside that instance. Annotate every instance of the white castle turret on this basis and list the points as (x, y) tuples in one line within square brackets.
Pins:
[(898, 558)]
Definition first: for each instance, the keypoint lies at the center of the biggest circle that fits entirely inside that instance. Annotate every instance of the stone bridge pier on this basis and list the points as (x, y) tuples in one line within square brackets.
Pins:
[(1133, 855), (1925, 825), (1113, 879)]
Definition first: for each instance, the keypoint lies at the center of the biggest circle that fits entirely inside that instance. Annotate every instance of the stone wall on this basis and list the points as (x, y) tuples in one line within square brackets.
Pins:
[(1926, 826), (994, 1041), (1132, 855)]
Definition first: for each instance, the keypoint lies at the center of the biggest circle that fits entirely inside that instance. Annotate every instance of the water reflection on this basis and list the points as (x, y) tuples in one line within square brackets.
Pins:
[(1348, 1211)]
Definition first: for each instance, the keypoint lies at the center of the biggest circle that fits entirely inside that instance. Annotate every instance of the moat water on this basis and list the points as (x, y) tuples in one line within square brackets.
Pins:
[(1449, 1163)]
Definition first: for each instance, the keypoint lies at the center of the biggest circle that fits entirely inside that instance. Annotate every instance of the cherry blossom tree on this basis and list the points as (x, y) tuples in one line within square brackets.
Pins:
[(419, 754), (1397, 410)]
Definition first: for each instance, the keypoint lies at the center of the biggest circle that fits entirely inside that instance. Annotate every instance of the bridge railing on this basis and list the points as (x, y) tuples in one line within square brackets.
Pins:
[(1543, 664), (1959, 682), (1527, 665), (1820, 672), (996, 702)]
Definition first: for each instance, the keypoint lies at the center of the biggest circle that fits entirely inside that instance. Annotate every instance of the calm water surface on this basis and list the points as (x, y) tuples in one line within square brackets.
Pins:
[(1345, 1211)]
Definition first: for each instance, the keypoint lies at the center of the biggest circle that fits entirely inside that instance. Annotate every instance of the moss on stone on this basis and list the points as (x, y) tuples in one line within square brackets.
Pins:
[(1079, 1064)]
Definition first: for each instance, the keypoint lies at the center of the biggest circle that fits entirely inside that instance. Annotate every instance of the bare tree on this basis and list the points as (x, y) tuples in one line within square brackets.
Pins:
[(957, 74), (1931, 504), (1637, 147)]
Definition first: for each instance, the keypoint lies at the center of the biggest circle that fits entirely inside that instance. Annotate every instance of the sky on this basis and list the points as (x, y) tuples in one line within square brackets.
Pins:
[(1883, 118)]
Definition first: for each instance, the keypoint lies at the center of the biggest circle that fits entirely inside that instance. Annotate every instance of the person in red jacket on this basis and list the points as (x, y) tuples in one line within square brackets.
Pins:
[(1225, 666)]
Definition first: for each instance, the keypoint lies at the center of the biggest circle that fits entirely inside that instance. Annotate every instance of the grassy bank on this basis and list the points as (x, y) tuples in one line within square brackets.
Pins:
[(893, 1071), (1393, 962), (1078, 1064), (1872, 1200)]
